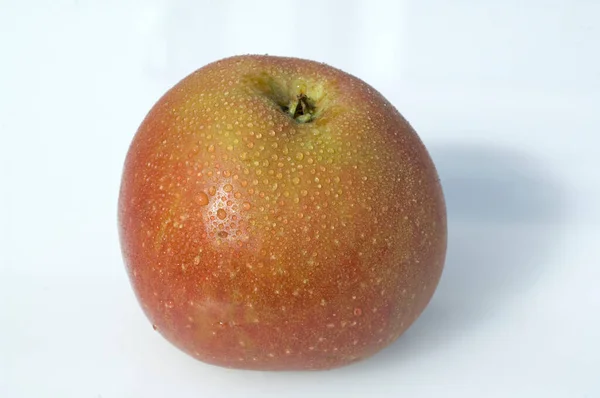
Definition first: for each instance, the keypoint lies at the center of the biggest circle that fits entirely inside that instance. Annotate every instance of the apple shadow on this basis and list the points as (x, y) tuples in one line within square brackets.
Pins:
[(503, 214)]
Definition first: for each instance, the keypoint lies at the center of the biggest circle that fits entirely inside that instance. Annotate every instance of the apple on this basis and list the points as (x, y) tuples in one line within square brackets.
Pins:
[(280, 214)]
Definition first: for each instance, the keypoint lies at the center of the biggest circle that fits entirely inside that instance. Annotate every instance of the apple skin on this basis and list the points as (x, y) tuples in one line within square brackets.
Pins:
[(255, 239)]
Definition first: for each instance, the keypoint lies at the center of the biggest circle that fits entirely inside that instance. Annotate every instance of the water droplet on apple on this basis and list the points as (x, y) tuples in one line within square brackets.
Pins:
[(221, 214), (228, 188), (211, 148), (299, 156), (223, 234), (212, 191), (202, 199), (296, 180), (246, 206)]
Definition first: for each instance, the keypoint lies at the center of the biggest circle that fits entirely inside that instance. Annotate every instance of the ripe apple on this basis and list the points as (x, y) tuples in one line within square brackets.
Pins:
[(277, 213)]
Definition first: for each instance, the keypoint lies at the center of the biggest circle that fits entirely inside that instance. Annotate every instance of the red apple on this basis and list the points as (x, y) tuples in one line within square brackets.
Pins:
[(278, 213)]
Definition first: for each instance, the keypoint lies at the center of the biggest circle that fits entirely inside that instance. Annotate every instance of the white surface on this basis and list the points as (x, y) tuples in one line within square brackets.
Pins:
[(505, 95)]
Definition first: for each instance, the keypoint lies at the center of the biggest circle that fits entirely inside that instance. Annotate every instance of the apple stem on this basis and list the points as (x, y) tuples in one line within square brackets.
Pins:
[(301, 109)]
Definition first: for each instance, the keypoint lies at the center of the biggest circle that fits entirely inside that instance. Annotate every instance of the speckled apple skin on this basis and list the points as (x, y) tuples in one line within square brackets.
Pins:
[(254, 241)]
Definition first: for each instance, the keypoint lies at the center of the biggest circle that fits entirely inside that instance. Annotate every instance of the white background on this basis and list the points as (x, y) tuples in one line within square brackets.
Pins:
[(505, 94)]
